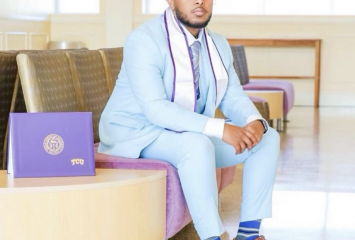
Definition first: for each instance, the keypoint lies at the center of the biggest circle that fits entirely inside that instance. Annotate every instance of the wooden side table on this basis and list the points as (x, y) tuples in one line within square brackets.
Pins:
[(275, 100), (115, 204)]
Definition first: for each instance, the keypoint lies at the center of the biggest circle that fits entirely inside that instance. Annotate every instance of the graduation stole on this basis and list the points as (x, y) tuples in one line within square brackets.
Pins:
[(184, 92)]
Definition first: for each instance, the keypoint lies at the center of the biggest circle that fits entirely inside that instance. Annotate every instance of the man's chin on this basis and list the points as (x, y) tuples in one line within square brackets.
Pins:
[(196, 24)]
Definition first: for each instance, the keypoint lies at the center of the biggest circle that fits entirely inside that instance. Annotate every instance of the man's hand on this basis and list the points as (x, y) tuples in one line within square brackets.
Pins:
[(256, 128), (240, 138)]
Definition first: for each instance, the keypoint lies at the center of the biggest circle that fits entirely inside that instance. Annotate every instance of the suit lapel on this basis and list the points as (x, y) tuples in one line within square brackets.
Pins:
[(207, 79)]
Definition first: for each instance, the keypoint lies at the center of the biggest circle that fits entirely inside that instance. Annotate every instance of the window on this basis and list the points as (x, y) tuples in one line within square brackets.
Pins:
[(27, 7), (78, 6), (267, 7), (42, 8)]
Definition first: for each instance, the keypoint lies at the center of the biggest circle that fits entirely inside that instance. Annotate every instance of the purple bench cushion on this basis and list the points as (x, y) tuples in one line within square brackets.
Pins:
[(257, 99), (285, 86), (177, 213)]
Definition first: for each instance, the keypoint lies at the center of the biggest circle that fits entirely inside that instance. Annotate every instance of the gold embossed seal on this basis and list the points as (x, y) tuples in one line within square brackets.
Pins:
[(53, 144)]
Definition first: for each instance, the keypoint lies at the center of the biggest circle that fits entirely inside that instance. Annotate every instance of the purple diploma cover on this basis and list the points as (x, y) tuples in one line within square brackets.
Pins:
[(50, 144)]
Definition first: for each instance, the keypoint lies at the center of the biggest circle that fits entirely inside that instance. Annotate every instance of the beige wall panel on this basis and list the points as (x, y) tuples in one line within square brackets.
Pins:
[(304, 92), (119, 21), (24, 25), (15, 34), (16, 40), (89, 29), (342, 51), (335, 99), (38, 41), (1, 41), (280, 61)]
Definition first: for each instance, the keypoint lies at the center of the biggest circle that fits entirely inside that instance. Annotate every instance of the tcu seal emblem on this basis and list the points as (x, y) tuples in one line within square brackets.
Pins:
[(53, 144)]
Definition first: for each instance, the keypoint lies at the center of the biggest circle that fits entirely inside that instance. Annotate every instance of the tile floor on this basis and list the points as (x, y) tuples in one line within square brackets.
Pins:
[(314, 193)]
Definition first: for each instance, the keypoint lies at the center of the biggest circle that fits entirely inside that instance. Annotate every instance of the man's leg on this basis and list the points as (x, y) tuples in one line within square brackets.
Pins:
[(260, 164), (194, 156), (258, 178)]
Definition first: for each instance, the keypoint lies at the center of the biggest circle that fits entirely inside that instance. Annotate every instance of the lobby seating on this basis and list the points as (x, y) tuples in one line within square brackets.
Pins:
[(12, 85), (241, 67), (90, 83), (8, 73), (112, 58), (77, 81)]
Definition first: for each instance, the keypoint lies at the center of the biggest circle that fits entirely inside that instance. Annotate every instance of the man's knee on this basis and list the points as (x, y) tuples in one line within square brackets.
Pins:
[(198, 143), (272, 138), (198, 147), (271, 143)]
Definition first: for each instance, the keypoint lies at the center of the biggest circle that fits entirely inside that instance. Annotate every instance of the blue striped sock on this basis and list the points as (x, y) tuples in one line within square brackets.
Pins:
[(248, 230)]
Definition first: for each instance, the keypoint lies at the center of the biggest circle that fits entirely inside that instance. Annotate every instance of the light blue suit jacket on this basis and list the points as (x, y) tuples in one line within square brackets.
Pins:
[(139, 109)]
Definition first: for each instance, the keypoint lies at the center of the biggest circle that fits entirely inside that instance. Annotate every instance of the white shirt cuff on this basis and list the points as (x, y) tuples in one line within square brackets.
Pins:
[(214, 128), (257, 117)]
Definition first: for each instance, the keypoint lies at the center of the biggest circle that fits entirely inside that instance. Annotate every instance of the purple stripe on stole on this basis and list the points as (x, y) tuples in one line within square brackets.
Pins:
[(172, 57), (220, 57), (192, 65), (209, 56)]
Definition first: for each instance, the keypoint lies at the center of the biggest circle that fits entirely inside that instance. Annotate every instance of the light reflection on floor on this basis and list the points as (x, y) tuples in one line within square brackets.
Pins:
[(314, 192), (326, 215)]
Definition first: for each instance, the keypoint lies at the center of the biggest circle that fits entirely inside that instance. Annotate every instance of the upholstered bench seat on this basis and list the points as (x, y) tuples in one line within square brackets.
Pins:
[(269, 84), (177, 213)]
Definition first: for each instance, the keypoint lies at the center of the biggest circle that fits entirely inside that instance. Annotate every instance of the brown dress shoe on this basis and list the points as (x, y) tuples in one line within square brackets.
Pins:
[(258, 238)]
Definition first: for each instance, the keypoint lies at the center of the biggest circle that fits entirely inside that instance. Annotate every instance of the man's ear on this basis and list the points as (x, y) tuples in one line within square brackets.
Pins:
[(171, 4)]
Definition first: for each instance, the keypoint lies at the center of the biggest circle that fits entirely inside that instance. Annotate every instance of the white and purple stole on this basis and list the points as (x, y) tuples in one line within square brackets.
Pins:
[(184, 92)]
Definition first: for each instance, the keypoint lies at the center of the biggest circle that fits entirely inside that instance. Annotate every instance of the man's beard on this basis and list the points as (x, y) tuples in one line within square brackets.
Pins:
[(183, 19)]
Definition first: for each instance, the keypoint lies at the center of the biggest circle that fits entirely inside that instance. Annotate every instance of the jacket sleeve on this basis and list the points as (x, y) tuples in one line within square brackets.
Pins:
[(144, 65), (235, 105)]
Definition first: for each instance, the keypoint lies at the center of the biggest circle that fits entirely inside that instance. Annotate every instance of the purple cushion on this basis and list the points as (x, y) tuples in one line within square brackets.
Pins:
[(177, 213), (285, 86), (257, 99)]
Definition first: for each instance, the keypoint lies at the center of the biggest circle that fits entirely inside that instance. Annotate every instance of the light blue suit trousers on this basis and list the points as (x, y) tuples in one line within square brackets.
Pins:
[(197, 156)]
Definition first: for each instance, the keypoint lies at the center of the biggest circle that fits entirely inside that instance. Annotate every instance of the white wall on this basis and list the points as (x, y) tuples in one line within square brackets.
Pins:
[(107, 29), (119, 21), (90, 29)]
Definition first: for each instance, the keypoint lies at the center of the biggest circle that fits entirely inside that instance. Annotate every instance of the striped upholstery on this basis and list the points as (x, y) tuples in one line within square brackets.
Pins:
[(240, 63), (112, 58), (47, 82), (8, 73), (18, 101), (90, 84)]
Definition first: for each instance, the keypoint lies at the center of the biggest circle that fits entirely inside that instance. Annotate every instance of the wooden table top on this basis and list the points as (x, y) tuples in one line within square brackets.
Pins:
[(104, 178)]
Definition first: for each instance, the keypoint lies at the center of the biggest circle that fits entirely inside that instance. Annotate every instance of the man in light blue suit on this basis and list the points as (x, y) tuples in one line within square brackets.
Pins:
[(174, 75)]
